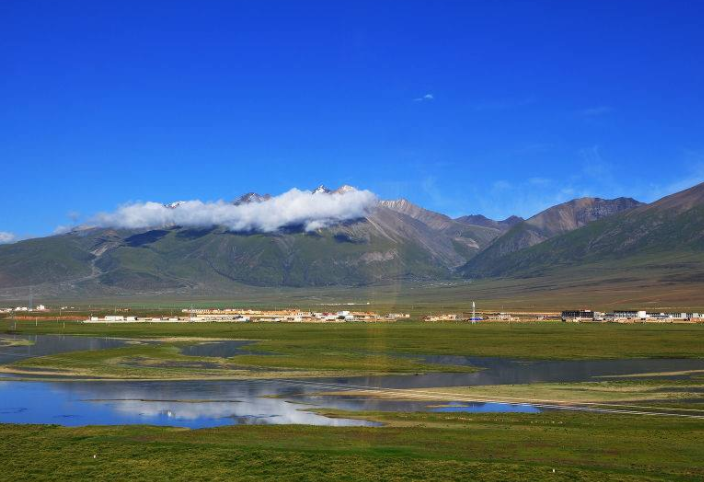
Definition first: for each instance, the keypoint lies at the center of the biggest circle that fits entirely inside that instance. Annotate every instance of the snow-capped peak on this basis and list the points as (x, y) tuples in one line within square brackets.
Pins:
[(252, 197), (344, 189)]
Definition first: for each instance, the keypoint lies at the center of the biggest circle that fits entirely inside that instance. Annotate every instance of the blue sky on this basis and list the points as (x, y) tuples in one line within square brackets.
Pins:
[(463, 107)]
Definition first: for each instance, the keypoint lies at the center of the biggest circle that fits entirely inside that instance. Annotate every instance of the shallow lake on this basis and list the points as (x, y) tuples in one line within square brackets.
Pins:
[(219, 349), (505, 371), (42, 345), (197, 404)]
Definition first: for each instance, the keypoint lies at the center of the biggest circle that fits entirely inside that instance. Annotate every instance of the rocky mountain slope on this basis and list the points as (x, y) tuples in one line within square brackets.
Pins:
[(665, 235), (395, 240), (480, 220), (552, 222)]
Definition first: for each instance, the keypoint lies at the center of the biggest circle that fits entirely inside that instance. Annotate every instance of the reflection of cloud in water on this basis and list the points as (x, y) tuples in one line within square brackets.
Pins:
[(186, 411), (198, 404), (250, 409)]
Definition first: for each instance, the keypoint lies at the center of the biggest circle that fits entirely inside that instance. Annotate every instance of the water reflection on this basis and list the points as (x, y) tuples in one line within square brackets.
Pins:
[(504, 371), (197, 404), (187, 404), (43, 345), (218, 349), (489, 407)]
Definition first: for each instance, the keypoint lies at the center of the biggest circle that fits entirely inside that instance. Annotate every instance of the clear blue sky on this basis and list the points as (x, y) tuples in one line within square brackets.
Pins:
[(494, 107)]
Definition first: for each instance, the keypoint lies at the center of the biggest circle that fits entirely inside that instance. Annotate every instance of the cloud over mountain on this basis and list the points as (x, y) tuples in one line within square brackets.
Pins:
[(6, 237), (312, 210)]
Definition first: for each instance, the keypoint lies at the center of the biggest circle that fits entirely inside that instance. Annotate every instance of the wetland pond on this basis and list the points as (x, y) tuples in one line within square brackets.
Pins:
[(210, 403)]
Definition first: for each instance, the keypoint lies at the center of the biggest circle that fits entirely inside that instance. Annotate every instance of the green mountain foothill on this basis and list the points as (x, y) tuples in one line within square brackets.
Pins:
[(596, 241)]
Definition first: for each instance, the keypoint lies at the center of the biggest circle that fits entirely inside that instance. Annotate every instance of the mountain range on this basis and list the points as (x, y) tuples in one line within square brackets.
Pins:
[(667, 235), (395, 240)]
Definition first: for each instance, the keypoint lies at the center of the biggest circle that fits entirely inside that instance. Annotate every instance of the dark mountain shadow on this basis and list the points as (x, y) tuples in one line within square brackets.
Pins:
[(191, 234), (285, 230), (149, 237)]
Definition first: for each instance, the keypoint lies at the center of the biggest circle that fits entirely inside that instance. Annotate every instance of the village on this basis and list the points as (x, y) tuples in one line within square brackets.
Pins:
[(234, 315), (294, 315), (25, 309), (630, 316)]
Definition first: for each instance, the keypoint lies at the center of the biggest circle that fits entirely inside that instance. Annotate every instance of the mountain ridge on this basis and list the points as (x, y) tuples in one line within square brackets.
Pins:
[(395, 240), (554, 221), (646, 235), (386, 244)]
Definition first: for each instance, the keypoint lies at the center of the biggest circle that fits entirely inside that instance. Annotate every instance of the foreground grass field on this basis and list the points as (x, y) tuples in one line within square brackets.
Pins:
[(433, 447), (559, 446), (164, 361), (666, 285), (687, 395), (5, 342), (551, 340), (281, 349)]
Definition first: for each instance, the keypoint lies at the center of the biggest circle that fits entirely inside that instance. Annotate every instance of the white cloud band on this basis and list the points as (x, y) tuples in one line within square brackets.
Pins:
[(6, 238), (312, 210)]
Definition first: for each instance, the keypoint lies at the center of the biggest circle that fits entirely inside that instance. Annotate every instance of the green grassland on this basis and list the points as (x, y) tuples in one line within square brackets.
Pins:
[(671, 284), (164, 361), (411, 446), (10, 341), (647, 394), (549, 340), (285, 349)]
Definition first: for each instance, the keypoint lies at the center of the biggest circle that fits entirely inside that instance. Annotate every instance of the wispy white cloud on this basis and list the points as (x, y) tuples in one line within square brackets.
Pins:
[(429, 186), (603, 179), (312, 210), (63, 229), (6, 237), (523, 198), (530, 196), (694, 160), (594, 175), (595, 166), (424, 98)]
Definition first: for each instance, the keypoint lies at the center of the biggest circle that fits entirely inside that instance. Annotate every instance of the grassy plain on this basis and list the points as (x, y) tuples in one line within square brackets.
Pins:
[(11, 341), (281, 349), (555, 446), (644, 392), (517, 340), (164, 361), (671, 284), (410, 446)]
